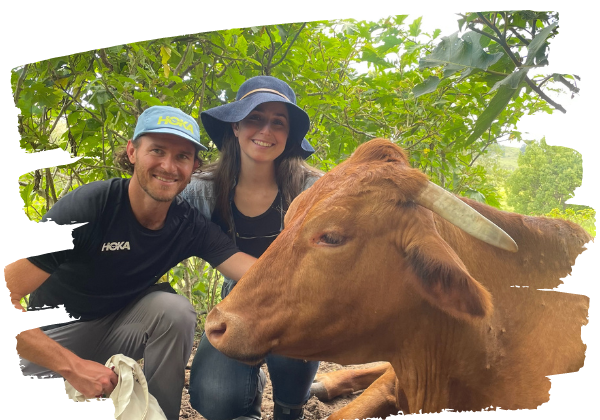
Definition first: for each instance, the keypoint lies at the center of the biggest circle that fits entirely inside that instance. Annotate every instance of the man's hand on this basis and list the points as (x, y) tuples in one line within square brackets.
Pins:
[(91, 379)]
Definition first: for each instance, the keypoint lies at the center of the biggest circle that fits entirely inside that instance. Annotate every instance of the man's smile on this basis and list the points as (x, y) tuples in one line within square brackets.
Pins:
[(163, 179)]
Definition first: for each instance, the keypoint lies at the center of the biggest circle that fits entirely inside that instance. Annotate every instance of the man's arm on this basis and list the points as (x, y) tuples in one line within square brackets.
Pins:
[(235, 266), (90, 378)]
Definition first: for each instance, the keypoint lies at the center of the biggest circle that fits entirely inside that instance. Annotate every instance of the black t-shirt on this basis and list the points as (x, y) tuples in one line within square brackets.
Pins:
[(115, 259), (255, 234)]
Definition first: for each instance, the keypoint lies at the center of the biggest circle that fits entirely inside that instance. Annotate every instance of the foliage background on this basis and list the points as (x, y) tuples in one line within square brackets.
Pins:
[(446, 101)]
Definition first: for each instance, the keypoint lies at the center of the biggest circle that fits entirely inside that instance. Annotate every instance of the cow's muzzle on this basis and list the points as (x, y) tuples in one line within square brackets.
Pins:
[(232, 337)]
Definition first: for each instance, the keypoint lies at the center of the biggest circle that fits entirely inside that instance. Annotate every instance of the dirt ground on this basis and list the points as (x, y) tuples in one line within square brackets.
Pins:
[(313, 410)]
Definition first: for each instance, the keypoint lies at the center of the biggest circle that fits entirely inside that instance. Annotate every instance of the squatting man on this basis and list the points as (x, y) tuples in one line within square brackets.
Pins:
[(137, 229)]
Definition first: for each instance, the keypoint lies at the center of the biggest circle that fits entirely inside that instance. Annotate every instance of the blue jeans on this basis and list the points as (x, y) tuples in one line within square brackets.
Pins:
[(223, 389)]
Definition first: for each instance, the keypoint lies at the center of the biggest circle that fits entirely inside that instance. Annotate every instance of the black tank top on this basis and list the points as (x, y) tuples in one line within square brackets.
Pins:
[(253, 235)]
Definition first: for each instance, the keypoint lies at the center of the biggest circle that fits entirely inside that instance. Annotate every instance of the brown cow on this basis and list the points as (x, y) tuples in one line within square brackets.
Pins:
[(363, 272)]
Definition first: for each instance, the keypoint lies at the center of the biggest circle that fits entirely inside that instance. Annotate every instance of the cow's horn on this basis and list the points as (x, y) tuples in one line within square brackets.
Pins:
[(461, 215)]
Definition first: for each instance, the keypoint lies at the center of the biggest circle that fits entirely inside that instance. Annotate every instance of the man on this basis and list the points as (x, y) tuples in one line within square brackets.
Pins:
[(136, 230)]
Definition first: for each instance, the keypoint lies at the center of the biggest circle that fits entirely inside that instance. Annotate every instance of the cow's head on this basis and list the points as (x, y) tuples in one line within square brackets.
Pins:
[(358, 258)]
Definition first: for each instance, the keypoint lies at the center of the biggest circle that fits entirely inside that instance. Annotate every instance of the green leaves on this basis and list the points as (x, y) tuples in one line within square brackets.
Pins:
[(165, 53), (415, 27), (545, 178), (356, 80), (146, 97), (26, 194), (475, 195), (46, 96), (484, 56), (507, 88), (458, 54), (428, 86), (372, 55), (536, 46)]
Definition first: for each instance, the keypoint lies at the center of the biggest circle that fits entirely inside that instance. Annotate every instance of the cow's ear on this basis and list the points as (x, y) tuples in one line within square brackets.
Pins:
[(444, 281)]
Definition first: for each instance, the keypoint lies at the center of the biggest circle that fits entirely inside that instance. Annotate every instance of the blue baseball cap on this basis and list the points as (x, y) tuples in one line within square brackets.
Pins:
[(166, 119)]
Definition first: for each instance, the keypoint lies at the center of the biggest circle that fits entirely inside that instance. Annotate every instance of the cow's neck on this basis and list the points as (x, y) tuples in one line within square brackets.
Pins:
[(425, 389), (430, 384)]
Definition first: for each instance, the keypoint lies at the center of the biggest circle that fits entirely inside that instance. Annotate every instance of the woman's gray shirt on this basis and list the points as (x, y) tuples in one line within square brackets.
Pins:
[(200, 193)]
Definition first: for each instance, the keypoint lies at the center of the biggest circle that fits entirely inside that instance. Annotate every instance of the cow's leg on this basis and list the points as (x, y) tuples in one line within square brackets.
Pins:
[(379, 400), (327, 386)]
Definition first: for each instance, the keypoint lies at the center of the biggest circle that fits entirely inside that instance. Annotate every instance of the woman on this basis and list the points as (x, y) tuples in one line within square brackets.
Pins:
[(260, 171)]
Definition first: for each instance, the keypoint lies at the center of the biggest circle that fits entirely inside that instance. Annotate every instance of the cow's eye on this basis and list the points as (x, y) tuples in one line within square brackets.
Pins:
[(330, 239)]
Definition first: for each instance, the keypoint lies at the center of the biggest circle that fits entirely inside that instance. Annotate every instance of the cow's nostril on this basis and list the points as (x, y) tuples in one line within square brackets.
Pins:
[(215, 326), (215, 332)]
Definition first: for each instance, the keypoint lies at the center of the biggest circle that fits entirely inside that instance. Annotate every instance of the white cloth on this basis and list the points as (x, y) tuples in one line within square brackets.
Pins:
[(131, 397)]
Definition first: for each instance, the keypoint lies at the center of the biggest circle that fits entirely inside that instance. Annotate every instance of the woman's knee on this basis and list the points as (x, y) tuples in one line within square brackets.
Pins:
[(212, 404), (220, 388)]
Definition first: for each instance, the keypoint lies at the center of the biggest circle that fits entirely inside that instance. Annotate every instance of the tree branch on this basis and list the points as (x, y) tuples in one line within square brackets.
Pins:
[(216, 95), (222, 72), (271, 50), (289, 46), (354, 130), (67, 188), (91, 167), (480, 152), (62, 110), (412, 146), (202, 92), (489, 24), (104, 59), (499, 40), (50, 188), (496, 73), (544, 80), (544, 96), (94, 116), (117, 101), (518, 35), (479, 31), (184, 73), (185, 54), (568, 84), (20, 83)]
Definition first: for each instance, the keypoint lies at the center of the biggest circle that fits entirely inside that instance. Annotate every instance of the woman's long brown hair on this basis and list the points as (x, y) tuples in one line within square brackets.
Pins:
[(291, 173)]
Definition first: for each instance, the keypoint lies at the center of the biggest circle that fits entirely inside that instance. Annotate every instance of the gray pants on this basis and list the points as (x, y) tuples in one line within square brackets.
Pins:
[(159, 327)]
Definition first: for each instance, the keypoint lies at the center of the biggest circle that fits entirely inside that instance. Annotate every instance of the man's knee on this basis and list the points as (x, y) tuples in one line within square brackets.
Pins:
[(173, 311)]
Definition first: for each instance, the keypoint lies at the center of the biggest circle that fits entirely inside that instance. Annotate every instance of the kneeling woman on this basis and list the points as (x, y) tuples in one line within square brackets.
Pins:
[(260, 170)]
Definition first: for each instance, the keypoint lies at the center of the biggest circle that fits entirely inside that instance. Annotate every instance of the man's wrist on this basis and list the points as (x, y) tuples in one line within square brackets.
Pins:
[(67, 364)]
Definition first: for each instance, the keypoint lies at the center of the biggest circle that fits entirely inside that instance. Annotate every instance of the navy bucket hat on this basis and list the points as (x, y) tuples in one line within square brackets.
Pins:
[(253, 92)]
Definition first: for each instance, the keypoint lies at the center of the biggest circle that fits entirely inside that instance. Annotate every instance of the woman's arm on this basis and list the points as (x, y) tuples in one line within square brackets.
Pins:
[(236, 266)]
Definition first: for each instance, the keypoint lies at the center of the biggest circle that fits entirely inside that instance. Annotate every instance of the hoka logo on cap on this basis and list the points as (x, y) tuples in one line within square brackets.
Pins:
[(176, 121)]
